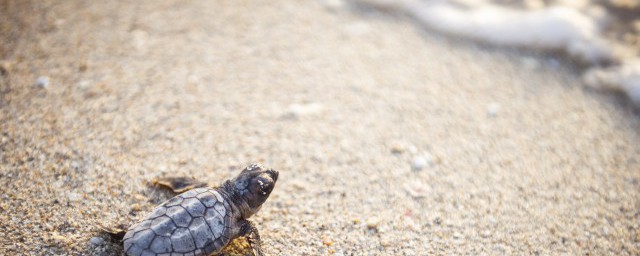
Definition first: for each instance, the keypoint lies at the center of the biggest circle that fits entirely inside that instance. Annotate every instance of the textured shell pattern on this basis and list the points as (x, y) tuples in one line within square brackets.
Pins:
[(195, 223)]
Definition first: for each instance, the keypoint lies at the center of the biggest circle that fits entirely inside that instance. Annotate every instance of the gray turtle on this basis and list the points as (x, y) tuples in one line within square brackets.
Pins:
[(202, 220)]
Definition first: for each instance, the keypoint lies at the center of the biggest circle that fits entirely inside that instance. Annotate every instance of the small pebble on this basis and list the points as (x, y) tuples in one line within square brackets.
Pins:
[(398, 149), (417, 190), (326, 241), (5, 66), (373, 223), (420, 162), (493, 109), (75, 165), (84, 85), (136, 207), (73, 197), (42, 82), (139, 197), (297, 110), (97, 241)]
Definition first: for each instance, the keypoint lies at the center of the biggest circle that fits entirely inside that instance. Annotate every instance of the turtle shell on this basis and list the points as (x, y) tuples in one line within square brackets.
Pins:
[(195, 222)]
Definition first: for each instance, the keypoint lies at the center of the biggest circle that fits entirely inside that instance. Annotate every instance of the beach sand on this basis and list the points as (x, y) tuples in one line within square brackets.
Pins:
[(389, 139)]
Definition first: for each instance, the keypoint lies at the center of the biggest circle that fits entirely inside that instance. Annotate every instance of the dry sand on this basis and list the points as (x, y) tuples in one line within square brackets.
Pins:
[(518, 158)]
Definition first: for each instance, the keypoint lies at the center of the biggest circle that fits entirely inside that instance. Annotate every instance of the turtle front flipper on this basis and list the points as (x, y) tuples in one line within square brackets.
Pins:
[(178, 184), (249, 230)]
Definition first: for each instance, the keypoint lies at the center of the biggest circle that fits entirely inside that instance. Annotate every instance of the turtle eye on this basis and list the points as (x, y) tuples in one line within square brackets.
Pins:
[(266, 189)]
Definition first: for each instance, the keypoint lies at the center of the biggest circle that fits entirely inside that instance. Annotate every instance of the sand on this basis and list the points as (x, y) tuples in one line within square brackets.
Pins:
[(516, 156)]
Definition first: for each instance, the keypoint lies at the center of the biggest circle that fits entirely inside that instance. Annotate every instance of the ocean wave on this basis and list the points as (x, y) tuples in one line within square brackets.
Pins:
[(574, 27)]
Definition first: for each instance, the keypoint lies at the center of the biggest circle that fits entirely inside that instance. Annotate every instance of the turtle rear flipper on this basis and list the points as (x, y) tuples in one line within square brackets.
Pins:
[(178, 184), (116, 233)]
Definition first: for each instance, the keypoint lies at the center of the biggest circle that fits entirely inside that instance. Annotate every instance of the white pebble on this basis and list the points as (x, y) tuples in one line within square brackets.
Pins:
[(74, 196), (84, 85), (493, 109), (42, 82), (419, 162), (297, 110)]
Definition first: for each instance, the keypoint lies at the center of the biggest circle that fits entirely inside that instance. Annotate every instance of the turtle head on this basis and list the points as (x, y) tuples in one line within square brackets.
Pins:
[(254, 185)]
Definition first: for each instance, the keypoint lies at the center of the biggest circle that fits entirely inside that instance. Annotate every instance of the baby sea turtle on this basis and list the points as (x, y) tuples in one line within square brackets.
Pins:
[(202, 220)]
